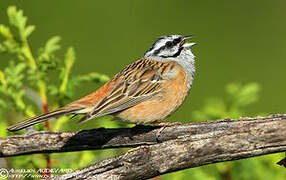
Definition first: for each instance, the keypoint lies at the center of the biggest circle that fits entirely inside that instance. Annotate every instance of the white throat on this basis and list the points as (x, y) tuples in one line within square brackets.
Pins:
[(186, 59)]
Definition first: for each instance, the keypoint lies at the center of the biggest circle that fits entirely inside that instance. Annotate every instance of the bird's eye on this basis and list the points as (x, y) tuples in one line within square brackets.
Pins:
[(169, 43), (176, 41)]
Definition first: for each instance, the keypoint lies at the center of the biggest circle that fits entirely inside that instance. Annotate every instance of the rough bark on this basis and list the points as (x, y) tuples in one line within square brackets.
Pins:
[(159, 150)]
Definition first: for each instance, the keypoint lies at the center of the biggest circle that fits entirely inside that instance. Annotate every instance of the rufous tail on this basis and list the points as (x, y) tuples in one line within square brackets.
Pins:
[(41, 118)]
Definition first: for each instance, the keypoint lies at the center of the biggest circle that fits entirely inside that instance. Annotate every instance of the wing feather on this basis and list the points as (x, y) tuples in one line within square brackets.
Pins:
[(137, 82)]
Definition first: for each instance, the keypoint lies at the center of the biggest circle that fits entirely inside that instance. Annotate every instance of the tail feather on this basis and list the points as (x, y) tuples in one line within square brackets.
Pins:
[(41, 118)]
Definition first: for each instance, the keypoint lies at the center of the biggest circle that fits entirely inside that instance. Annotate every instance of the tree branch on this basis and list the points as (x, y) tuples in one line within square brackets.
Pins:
[(161, 150)]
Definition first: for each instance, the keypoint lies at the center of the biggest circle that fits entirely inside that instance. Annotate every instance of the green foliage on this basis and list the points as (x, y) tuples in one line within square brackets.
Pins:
[(238, 97), (11, 83), (26, 87)]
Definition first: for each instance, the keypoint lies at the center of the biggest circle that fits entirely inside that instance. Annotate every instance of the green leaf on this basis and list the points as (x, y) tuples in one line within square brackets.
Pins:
[(243, 95), (5, 31), (238, 96), (46, 58), (249, 94), (18, 20), (29, 30), (52, 44), (19, 101), (9, 44), (15, 74), (69, 60)]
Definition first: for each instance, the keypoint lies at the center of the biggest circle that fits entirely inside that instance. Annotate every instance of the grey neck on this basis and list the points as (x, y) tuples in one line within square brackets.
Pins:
[(186, 59)]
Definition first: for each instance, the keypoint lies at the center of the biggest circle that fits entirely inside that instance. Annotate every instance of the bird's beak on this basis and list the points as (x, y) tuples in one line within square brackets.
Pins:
[(187, 45), (188, 37)]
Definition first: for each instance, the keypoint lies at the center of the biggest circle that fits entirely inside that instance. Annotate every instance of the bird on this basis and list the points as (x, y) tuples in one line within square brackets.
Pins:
[(144, 92)]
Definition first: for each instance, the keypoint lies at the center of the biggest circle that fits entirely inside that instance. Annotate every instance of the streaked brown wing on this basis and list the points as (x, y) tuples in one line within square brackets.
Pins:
[(136, 83)]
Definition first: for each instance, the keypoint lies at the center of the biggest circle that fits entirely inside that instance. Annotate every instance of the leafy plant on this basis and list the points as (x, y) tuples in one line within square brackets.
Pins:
[(238, 98), (27, 87)]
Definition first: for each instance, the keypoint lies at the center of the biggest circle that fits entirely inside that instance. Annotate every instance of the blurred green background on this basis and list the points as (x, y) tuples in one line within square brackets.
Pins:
[(240, 41), (237, 41)]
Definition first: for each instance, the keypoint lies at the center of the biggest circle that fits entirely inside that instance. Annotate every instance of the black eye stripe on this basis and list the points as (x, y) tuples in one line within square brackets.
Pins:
[(169, 43), (178, 40), (174, 42)]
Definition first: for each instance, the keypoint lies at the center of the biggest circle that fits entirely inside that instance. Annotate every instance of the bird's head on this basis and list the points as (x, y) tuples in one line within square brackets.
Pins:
[(169, 46)]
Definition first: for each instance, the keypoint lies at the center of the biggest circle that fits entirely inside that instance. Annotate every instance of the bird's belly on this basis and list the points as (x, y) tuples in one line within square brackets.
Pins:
[(159, 107)]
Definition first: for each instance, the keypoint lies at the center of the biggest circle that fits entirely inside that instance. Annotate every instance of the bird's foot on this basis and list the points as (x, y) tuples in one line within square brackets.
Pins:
[(163, 126)]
